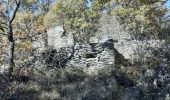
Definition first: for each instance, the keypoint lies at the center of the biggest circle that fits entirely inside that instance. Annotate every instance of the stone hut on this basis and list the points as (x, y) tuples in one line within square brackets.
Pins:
[(93, 57), (57, 40), (53, 38)]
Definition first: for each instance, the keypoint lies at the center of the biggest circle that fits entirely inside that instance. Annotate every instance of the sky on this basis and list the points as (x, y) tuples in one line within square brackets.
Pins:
[(168, 4)]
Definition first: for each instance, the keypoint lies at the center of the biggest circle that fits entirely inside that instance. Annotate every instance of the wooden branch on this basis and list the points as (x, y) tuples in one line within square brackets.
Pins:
[(2, 15), (163, 2), (3, 34), (15, 11), (28, 36), (3, 23), (167, 17)]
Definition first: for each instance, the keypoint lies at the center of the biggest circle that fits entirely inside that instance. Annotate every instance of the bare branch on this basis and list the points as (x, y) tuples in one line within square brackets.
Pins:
[(2, 15), (167, 17), (163, 2), (28, 36), (15, 11), (3, 34)]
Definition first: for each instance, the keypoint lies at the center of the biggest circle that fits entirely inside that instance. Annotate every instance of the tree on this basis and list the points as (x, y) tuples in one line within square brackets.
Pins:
[(10, 8), (140, 16), (28, 25), (75, 16), (20, 21)]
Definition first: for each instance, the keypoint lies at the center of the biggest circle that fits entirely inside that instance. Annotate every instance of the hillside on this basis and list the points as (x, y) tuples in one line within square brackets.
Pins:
[(84, 50)]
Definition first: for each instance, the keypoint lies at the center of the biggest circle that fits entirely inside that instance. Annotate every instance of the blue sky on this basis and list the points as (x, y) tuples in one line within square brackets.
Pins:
[(168, 4)]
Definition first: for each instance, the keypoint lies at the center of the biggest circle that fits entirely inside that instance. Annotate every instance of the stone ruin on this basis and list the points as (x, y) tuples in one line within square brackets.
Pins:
[(54, 39), (94, 56), (91, 57), (88, 55)]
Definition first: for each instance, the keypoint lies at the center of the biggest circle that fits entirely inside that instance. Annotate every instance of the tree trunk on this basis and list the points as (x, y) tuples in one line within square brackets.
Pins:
[(11, 63)]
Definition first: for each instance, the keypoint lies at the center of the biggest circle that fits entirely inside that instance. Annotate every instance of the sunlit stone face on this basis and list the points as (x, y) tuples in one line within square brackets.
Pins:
[(56, 40)]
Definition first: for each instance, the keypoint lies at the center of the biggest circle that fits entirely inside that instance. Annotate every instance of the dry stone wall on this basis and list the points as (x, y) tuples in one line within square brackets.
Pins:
[(94, 56), (57, 40), (130, 48), (91, 57)]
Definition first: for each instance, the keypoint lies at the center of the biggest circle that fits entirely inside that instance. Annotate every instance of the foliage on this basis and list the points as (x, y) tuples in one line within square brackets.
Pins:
[(74, 15), (46, 75), (141, 16)]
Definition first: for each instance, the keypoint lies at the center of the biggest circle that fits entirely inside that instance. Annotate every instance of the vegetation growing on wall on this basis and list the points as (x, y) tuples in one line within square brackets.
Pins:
[(25, 71)]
